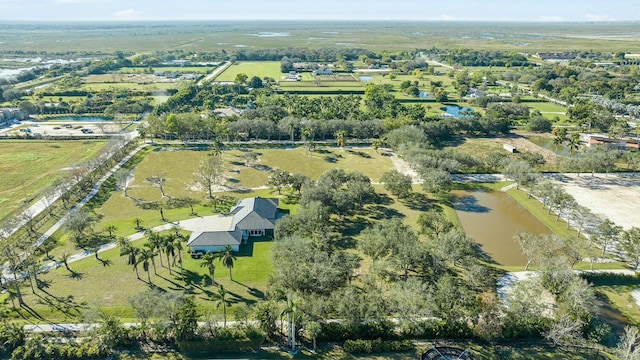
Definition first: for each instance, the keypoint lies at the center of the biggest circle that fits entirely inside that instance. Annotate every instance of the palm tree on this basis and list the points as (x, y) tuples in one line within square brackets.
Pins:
[(574, 142), (207, 261), (227, 258), (126, 249), (291, 309), (155, 243), (179, 247), (217, 148), (558, 140), (221, 296), (151, 252), (64, 259), (138, 223), (146, 254), (168, 242), (110, 229)]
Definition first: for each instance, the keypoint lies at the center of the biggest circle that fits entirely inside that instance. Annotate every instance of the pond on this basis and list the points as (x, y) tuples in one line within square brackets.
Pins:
[(423, 95), (455, 111), (548, 144), (492, 218), (80, 118), (365, 78)]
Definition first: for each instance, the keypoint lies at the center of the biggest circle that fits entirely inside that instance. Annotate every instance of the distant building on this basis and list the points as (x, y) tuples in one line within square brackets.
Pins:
[(620, 144), (293, 76), (556, 57), (178, 63), (323, 71), (7, 115), (230, 111)]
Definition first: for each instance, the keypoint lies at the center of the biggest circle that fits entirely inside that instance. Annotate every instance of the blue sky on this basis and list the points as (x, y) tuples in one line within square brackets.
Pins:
[(477, 10)]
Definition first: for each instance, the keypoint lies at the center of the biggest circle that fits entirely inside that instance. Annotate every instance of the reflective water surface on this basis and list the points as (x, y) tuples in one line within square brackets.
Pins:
[(492, 218)]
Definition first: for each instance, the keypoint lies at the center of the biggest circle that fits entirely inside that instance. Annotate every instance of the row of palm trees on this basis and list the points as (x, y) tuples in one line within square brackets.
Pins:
[(225, 256), (170, 245)]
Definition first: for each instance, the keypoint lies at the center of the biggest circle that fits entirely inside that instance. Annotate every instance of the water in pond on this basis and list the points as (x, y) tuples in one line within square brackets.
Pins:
[(456, 111), (423, 95), (492, 218), (81, 118), (548, 144), (365, 78)]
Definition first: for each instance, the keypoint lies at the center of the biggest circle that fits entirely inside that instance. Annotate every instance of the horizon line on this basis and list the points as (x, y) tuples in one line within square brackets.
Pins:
[(318, 20)]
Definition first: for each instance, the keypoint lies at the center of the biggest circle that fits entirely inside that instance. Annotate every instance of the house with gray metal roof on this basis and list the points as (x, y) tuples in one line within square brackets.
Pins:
[(250, 217)]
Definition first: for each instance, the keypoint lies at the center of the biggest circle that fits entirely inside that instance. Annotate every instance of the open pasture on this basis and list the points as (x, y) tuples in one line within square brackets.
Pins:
[(29, 167), (251, 68)]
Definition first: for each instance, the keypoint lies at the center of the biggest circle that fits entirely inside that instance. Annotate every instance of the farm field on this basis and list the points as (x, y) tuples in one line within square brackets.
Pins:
[(251, 68), (29, 167)]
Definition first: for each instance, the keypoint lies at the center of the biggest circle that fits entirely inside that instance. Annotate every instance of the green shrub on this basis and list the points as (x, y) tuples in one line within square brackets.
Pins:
[(343, 331), (376, 346)]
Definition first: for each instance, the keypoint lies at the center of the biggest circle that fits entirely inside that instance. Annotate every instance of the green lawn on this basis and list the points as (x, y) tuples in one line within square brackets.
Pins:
[(546, 107), (29, 167), (108, 284), (251, 68)]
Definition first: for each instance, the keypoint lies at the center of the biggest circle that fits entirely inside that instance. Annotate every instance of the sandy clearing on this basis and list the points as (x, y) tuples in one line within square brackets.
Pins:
[(403, 167), (616, 196), (522, 143)]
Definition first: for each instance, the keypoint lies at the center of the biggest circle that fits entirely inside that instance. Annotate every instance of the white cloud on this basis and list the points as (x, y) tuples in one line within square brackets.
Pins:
[(446, 17), (550, 18), (128, 14), (592, 17)]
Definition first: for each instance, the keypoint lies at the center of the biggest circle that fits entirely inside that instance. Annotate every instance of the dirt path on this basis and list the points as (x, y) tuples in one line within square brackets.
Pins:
[(403, 167)]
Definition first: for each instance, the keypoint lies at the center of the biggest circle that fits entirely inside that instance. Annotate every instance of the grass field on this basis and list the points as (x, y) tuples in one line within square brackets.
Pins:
[(108, 283), (550, 110), (179, 165), (251, 68), (28, 167)]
